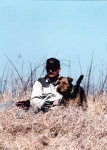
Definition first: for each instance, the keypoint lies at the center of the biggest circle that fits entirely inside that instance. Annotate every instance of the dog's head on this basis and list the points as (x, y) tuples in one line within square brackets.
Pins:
[(64, 85)]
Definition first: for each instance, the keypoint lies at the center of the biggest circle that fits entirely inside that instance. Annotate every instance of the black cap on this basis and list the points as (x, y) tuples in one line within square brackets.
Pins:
[(52, 63)]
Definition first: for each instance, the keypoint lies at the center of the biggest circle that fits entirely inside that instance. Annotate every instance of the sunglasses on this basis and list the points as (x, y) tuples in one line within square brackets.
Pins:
[(51, 68)]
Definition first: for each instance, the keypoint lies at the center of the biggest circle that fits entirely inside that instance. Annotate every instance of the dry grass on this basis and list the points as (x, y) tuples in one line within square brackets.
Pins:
[(59, 129)]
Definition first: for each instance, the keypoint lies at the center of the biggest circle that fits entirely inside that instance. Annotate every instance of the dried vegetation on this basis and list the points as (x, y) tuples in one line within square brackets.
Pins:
[(61, 128)]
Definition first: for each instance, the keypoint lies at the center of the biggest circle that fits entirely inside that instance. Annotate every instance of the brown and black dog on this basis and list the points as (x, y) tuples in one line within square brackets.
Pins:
[(72, 94)]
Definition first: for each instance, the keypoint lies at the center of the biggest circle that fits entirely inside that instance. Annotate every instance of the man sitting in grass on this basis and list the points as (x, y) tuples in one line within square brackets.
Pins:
[(44, 94)]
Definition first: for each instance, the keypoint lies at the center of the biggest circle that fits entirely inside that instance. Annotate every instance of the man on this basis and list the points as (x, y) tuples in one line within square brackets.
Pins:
[(44, 94)]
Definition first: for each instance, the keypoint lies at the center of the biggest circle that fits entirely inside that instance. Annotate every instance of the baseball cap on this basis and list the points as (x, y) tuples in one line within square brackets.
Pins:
[(52, 64)]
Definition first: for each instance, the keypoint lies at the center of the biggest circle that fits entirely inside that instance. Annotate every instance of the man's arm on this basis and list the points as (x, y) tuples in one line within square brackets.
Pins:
[(36, 100)]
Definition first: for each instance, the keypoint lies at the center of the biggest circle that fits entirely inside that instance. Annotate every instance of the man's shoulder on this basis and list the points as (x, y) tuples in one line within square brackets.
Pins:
[(43, 78), (43, 81)]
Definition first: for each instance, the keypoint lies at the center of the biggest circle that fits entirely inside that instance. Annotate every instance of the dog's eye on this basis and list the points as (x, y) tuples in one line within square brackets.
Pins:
[(65, 83)]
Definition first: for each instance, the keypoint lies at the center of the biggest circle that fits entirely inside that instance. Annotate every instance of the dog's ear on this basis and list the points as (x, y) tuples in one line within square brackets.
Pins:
[(60, 78), (69, 79)]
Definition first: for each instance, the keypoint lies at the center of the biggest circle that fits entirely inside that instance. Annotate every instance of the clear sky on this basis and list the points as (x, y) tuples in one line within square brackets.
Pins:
[(67, 30)]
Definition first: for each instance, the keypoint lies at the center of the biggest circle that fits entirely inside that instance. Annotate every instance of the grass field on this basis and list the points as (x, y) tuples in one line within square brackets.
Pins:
[(59, 129), (62, 128)]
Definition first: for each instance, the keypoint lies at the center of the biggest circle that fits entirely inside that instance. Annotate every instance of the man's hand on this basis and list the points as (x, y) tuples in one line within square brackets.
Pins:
[(46, 106)]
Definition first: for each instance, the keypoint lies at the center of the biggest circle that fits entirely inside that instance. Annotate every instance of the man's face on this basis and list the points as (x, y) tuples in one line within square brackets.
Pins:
[(52, 72)]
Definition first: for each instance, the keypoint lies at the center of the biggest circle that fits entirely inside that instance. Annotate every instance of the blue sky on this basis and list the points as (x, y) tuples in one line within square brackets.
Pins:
[(67, 30)]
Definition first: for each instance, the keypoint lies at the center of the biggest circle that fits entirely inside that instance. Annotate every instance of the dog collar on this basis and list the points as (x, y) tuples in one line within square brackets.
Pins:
[(72, 91)]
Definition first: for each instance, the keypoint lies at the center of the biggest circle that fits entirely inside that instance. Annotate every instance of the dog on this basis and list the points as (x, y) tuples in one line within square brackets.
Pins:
[(72, 94)]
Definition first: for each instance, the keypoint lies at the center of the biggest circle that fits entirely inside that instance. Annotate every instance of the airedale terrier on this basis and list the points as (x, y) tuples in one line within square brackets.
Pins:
[(72, 94)]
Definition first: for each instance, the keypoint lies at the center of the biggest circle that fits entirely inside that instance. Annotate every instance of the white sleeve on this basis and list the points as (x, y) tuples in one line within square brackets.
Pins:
[(36, 96)]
